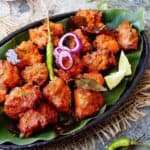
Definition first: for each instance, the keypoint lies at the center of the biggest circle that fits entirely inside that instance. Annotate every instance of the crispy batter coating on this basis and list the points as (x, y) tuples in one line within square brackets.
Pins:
[(93, 17), (3, 93), (9, 74), (35, 120), (28, 54), (95, 30), (88, 20), (73, 72), (39, 35), (27, 46), (57, 29), (127, 36), (58, 94), (21, 99), (100, 60), (37, 73), (87, 102), (84, 40), (98, 77), (108, 42)]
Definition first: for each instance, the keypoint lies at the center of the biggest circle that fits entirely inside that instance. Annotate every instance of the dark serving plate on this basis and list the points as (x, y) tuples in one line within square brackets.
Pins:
[(131, 85)]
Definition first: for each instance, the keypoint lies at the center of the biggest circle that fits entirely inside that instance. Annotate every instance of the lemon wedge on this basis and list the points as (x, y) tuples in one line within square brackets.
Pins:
[(114, 79), (124, 64)]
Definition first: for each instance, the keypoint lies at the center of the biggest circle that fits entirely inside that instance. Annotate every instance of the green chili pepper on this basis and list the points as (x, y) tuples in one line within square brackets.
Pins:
[(124, 142), (49, 52)]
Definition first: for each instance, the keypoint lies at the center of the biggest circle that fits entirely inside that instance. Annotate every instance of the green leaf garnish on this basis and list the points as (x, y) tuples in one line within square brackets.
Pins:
[(90, 84)]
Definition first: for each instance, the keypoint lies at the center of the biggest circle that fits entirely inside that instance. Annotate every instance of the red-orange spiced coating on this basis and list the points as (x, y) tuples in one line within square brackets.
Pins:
[(87, 102), (58, 94), (36, 119), (21, 99)]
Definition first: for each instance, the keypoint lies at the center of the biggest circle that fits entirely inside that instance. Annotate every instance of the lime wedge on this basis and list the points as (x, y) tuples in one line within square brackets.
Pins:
[(124, 64), (114, 79)]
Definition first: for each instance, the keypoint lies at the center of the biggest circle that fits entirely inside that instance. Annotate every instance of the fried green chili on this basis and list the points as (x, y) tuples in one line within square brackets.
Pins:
[(49, 52), (124, 142)]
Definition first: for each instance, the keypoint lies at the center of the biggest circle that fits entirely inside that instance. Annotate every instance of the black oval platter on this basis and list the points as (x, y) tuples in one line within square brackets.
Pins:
[(131, 85)]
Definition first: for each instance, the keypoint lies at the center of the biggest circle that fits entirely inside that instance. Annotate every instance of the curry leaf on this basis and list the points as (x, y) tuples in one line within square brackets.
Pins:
[(90, 84)]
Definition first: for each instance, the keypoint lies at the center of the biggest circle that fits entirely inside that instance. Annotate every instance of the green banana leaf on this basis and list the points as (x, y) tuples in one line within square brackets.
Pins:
[(12, 43), (112, 18)]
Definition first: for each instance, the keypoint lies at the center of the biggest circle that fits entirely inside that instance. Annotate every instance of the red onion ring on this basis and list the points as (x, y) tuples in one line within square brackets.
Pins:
[(58, 49), (78, 46), (63, 55)]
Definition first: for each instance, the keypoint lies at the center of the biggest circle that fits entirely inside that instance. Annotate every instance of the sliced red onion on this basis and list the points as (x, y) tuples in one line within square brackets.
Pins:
[(58, 49), (78, 46), (63, 55)]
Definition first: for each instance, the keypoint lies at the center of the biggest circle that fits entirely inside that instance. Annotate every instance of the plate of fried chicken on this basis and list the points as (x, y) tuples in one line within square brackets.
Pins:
[(59, 77)]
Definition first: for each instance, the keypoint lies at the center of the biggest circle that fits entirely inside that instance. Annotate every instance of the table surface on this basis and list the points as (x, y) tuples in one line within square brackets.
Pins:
[(141, 127)]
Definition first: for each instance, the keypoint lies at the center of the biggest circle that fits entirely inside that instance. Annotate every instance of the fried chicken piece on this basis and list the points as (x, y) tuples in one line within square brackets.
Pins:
[(93, 17), (95, 30), (37, 73), (72, 72), (21, 99), (58, 94), (3, 93), (76, 22), (94, 24), (108, 42), (28, 54), (27, 46), (80, 22), (57, 29), (9, 74), (87, 102), (35, 120), (39, 35), (99, 60), (84, 40), (127, 36), (98, 77)]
